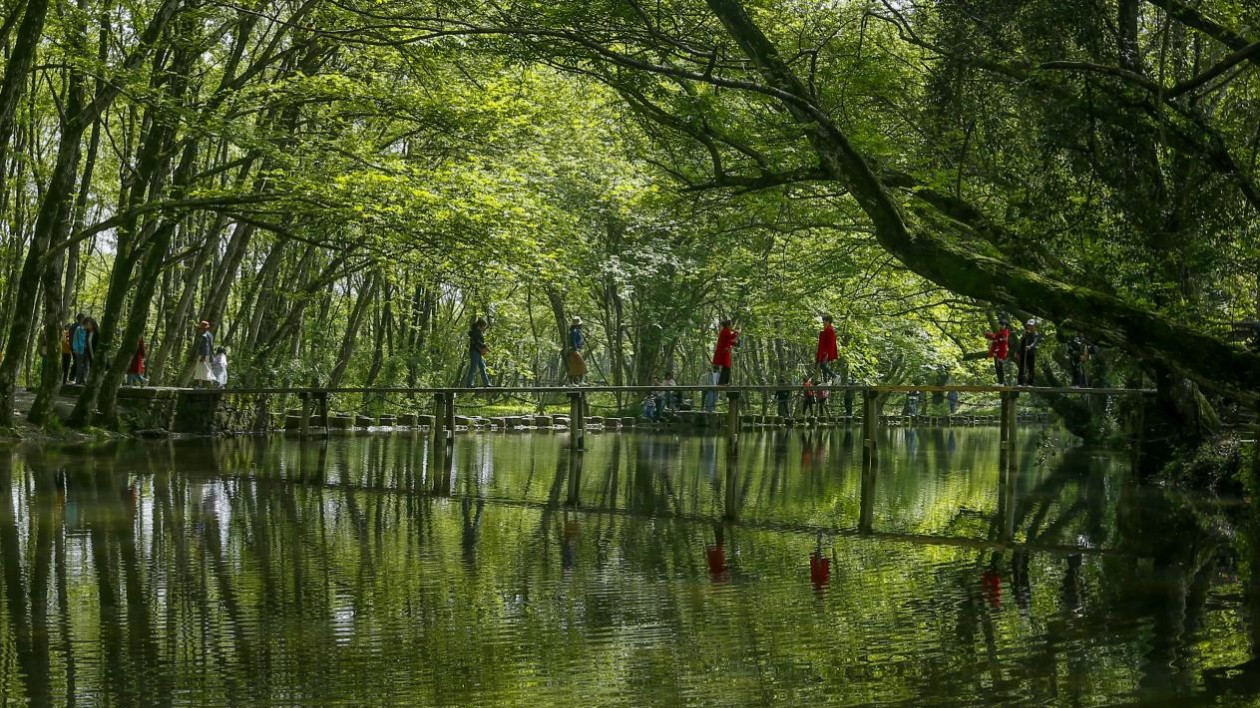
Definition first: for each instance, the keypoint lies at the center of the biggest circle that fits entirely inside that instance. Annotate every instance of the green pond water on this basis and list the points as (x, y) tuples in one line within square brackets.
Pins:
[(651, 570)]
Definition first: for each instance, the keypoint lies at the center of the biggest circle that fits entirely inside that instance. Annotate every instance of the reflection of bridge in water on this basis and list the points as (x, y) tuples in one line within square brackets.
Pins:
[(565, 493)]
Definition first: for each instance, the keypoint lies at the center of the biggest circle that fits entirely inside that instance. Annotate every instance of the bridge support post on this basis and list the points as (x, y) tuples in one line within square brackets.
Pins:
[(575, 478), (577, 421), (449, 413), (866, 514), (440, 432), (870, 428), (1007, 425), (732, 423), (323, 411), (305, 427)]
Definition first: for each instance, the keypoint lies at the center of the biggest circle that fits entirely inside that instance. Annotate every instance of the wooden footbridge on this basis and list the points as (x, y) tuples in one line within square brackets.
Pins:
[(315, 404)]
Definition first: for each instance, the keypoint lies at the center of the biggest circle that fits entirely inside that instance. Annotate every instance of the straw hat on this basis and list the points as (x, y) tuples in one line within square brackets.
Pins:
[(577, 320)]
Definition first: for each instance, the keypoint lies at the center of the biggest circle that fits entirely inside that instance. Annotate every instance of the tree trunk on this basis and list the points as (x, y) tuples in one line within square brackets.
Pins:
[(366, 294)]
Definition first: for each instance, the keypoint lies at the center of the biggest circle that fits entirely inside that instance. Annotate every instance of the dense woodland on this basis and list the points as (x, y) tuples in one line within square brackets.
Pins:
[(342, 186)]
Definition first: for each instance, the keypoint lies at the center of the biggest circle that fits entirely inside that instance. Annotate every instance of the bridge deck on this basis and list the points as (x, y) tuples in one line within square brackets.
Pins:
[(734, 388)]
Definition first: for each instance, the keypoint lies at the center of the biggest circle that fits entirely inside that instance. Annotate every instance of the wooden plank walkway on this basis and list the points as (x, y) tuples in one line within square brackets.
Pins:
[(599, 388)]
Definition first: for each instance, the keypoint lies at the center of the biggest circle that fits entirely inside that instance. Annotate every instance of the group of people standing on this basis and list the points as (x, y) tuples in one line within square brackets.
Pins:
[(1024, 352), (79, 343), (80, 350)]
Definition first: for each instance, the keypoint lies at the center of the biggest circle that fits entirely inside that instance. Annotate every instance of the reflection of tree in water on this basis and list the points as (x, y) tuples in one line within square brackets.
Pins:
[(182, 588)]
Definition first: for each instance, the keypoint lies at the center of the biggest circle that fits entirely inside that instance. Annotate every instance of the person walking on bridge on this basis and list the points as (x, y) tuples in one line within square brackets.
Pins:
[(477, 354), (728, 340), (1027, 353), (827, 350), (575, 362), (203, 349), (1000, 348)]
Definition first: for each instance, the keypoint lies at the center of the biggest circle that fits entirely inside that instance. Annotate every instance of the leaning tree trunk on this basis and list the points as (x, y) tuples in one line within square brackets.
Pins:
[(366, 293)]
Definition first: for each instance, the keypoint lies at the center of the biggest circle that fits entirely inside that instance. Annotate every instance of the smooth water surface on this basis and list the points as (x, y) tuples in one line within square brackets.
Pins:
[(651, 570)]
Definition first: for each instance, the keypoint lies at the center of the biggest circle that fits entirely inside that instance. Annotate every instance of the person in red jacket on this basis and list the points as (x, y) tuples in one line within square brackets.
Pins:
[(1000, 348), (827, 351), (727, 340), (135, 372)]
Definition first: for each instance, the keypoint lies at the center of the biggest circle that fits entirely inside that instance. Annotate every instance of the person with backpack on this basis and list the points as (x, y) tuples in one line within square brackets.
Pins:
[(1027, 353), (477, 351), (827, 351), (84, 347), (203, 350), (78, 342), (576, 364), (1000, 348), (728, 340), (807, 402)]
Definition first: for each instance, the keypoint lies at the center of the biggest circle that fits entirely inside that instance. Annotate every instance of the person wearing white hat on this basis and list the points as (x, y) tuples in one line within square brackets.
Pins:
[(576, 364), (1027, 351)]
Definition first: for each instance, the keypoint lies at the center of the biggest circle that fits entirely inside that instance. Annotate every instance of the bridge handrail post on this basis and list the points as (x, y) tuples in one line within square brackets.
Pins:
[(870, 426)]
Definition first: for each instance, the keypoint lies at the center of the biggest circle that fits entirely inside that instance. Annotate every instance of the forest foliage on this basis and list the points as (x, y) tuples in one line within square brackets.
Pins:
[(343, 186)]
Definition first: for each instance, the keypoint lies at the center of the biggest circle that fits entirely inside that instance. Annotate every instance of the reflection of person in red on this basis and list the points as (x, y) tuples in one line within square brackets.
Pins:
[(819, 567), (991, 584), (715, 555)]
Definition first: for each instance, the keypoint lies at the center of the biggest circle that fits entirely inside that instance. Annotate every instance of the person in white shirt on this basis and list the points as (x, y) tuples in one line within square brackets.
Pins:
[(218, 367)]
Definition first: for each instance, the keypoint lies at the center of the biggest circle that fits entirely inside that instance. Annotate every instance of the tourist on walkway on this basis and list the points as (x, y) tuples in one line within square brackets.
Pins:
[(135, 371), (912, 403), (807, 402), (78, 342), (73, 331), (673, 398), (85, 339), (709, 397), (849, 395), (952, 396), (67, 354), (728, 340), (203, 350), (477, 354), (783, 399), (219, 367), (1078, 355), (1000, 348), (1028, 353), (827, 351), (649, 408), (575, 362), (822, 395)]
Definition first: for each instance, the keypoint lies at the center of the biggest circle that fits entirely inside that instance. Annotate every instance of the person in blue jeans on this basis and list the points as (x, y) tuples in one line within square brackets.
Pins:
[(477, 354)]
